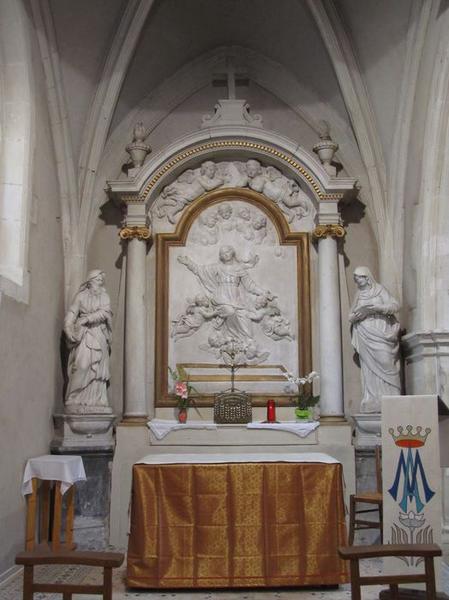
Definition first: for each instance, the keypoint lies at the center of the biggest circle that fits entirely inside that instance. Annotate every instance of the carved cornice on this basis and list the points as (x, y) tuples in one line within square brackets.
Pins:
[(332, 230), (141, 233)]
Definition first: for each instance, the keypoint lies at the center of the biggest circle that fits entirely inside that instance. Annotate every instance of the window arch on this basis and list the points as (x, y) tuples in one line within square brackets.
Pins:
[(16, 149)]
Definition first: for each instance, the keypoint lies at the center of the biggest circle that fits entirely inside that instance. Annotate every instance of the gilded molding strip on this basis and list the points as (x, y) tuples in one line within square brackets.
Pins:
[(131, 199), (236, 144), (333, 230), (141, 233)]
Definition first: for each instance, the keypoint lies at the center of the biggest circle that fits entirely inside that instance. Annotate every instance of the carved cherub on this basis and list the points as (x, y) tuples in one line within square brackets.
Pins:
[(197, 312)]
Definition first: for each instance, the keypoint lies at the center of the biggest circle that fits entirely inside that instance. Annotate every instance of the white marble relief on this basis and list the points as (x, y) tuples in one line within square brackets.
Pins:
[(267, 180), (230, 307), (237, 219), (188, 186)]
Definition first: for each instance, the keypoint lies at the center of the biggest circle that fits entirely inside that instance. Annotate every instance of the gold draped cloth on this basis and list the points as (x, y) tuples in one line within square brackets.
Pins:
[(236, 525)]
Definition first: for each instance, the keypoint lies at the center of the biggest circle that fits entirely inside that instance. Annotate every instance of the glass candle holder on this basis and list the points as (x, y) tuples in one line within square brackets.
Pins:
[(271, 411)]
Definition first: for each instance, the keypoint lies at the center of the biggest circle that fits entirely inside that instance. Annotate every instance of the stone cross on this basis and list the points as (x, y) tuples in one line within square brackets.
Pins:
[(230, 78)]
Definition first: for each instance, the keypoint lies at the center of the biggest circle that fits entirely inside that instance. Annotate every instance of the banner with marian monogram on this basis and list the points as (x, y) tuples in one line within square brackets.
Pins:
[(411, 475)]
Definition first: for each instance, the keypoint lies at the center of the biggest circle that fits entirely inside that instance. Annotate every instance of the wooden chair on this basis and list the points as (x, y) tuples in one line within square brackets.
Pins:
[(372, 498), (43, 556), (427, 551), (45, 545)]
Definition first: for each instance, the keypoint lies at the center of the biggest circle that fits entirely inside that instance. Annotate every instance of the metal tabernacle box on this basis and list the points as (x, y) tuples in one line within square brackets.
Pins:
[(232, 407)]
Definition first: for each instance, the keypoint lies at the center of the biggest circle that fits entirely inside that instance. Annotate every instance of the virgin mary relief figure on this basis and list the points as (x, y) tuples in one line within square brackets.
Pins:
[(88, 326), (375, 337), (232, 303)]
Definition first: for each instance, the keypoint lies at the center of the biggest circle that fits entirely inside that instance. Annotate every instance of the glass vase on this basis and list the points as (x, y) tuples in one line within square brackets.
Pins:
[(182, 415)]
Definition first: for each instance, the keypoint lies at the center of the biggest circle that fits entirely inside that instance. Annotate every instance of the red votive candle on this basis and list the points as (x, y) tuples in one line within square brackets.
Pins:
[(271, 411)]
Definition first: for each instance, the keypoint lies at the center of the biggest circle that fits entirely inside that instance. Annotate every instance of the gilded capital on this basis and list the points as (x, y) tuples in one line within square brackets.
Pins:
[(332, 230), (141, 233)]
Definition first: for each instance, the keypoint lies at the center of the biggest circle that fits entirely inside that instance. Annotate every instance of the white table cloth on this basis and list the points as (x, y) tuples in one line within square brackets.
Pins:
[(162, 427), (296, 427), (211, 458), (67, 469)]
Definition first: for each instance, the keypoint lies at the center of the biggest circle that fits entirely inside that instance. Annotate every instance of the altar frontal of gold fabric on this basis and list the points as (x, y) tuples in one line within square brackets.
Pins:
[(236, 525)]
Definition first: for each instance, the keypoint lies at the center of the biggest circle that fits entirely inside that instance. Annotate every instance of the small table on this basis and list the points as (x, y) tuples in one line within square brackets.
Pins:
[(236, 521), (64, 470)]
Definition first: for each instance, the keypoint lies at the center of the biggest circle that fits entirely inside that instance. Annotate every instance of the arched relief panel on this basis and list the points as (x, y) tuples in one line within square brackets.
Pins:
[(230, 149), (232, 277), (298, 206)]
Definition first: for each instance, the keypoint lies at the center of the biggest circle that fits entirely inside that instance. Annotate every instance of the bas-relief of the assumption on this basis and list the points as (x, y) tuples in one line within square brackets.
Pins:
[(267, 180), (240, 295)]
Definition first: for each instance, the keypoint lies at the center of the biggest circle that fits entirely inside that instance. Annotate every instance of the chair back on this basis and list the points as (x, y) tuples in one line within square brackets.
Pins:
[(378, 455)]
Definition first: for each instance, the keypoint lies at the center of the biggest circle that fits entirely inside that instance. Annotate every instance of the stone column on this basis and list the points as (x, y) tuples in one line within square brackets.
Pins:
[(135, 394), (331, 364)]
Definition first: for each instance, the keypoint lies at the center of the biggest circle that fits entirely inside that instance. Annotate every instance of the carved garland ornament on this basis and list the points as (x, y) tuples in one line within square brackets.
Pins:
[(332, 230), (141, 233)]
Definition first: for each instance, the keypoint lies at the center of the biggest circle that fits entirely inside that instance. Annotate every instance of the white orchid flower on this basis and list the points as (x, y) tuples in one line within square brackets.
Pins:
[(299, 381)]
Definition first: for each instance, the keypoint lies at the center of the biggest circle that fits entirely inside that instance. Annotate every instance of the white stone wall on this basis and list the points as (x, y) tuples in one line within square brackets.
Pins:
[(30, 372)]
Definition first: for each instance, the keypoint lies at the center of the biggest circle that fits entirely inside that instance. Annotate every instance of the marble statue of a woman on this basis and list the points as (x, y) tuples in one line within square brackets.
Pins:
[(375, 337), (87, 326)]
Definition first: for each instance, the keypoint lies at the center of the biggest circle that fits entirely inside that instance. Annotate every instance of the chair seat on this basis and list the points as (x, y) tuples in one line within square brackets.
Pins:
[(372, 497)]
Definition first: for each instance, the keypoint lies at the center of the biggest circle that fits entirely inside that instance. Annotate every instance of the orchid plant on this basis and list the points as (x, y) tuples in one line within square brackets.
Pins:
[(182, 386), (304, 397)]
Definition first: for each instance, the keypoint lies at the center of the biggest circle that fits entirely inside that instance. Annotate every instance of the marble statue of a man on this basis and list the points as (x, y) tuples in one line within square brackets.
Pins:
[(88, 326), (375, 337)]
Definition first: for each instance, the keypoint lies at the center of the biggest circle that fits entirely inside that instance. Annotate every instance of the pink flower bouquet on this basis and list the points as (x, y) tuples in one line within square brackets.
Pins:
[(182, 386)]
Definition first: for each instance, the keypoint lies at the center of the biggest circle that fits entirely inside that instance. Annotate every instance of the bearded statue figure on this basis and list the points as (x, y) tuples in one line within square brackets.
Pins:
[(375, 338)]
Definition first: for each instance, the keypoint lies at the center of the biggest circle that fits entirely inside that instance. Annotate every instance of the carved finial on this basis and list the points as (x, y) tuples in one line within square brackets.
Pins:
[(326, 148), (139, 132), (324, 130), (137, 149)]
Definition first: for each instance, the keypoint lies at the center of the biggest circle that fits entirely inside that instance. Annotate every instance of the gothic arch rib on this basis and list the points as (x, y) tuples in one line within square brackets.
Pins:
[(359, 108), (104, 103)]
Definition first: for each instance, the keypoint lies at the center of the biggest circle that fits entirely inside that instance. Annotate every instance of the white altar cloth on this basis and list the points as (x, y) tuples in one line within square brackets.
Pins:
[(162, 427), (67, 469), (211, 458), (301, 429)]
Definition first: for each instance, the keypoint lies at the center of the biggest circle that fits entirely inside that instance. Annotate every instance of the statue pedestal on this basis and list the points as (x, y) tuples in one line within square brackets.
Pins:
[(92, 437), (367, 429), (74, 432)]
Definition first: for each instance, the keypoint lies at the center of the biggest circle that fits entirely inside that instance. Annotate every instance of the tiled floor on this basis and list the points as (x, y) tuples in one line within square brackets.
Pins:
[(12, 590)]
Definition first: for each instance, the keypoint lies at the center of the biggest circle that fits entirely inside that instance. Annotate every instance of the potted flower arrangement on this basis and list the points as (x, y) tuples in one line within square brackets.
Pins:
[(182, 391), (304, 399)]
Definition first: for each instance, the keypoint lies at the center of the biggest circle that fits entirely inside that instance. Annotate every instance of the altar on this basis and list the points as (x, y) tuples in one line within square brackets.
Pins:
[(247, 520)]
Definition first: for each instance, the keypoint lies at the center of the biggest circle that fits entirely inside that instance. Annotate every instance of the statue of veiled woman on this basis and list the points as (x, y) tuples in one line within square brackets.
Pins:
[(88, 326), (375, 337)]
